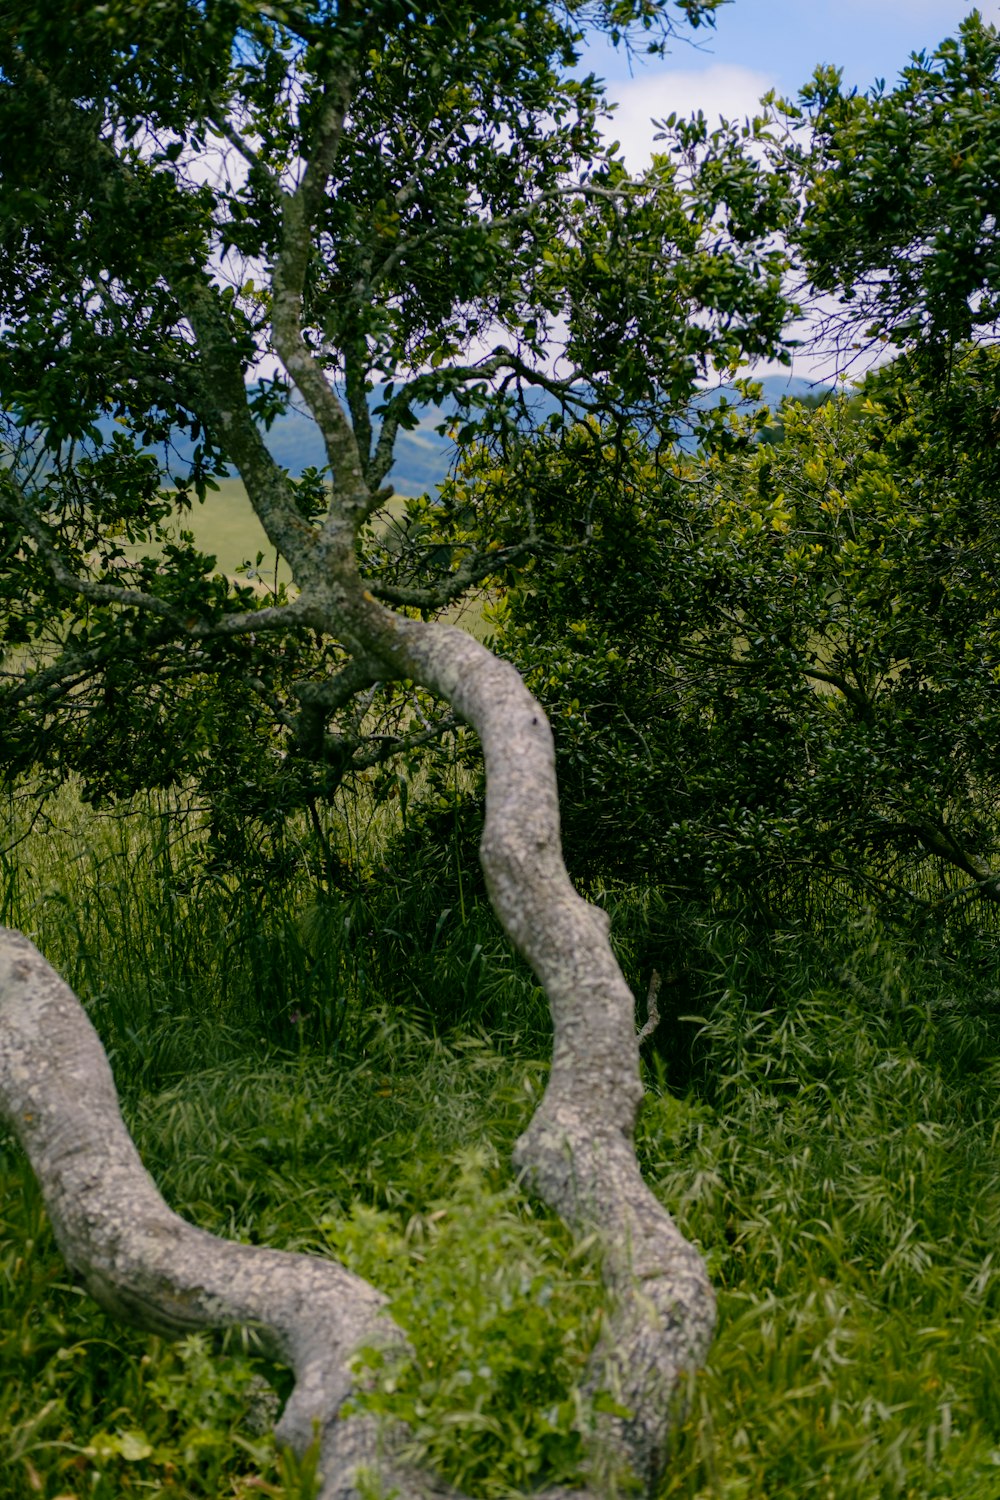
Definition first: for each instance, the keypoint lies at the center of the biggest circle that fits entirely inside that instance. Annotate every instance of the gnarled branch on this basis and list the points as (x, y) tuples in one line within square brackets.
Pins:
[(577, 1153)]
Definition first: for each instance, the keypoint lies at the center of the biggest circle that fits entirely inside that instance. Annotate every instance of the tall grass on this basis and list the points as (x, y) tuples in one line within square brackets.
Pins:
[(838, 1167), (345, 1073), (178, 965)]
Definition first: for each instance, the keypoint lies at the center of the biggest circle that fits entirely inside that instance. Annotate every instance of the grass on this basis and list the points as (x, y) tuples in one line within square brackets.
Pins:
[(346, 1076), (226, 527), (843, 1186)]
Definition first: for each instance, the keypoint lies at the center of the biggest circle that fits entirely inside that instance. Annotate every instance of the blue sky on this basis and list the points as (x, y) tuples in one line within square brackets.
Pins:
[(760, 44)]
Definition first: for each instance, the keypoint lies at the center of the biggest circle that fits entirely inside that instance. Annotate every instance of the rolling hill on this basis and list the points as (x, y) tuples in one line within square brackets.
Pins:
[(424, 456)]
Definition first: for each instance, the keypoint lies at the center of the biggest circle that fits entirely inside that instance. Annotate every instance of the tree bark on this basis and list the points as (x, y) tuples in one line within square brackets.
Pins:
[(148, 1266)]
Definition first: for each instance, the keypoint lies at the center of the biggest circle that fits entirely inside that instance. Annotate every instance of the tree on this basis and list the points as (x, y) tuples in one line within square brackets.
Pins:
[(897, 190), (782, 656), (451, 224), (358, 194)]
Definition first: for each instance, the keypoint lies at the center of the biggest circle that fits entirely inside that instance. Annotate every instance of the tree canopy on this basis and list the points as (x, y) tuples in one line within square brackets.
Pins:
[(208, 210), (357, 195)]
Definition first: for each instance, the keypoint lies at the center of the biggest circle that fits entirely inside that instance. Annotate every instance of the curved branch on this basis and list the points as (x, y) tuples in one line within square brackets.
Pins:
[(298, 213), (474, 568), (858, 700), (226, 402), (939, 840), (54, 681), (139, 1260), (577, 1153), (271, 617), (15, 505), (249, 621)]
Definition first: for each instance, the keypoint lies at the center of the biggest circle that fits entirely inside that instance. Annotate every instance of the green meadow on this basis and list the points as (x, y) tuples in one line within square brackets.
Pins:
[(344, 1072), (225, 526)]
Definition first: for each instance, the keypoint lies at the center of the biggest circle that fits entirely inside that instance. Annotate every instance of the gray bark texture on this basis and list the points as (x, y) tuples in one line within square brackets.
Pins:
[(149, 1267)]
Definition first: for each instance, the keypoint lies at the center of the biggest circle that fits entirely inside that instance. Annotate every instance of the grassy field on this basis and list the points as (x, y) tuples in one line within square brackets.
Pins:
[(345, 1073), (227, 528), (225, 525)]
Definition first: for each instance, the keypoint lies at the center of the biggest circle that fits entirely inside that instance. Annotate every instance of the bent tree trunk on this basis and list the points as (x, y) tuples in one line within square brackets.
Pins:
[(137, 1258), (147, 1266)]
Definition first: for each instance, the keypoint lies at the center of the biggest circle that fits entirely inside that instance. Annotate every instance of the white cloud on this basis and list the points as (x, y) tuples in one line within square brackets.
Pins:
[(944, 12), (722, 89)]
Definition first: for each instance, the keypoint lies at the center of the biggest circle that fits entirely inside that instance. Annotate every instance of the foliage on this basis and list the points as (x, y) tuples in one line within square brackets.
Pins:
[(155, 229), (899, 185), (894, 234), (781, 657), (824, 1179), (493, 1395)]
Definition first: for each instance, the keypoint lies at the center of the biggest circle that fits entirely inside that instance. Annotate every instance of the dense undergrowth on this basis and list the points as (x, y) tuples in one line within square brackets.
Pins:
[(345, 1073)]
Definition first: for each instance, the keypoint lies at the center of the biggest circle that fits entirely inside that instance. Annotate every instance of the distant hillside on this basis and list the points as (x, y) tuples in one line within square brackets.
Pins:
[(423, 456)]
